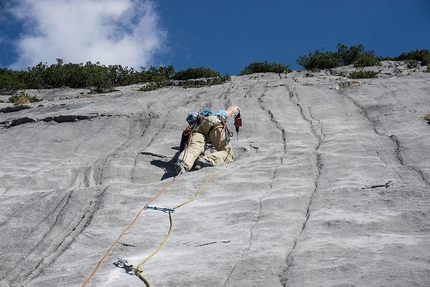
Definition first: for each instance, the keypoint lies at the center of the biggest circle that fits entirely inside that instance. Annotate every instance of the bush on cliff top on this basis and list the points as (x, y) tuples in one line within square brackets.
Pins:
[(98, 77), (196, 73), (361, 74), (102, 78), (323, 60), (265, 67), (422, 55)]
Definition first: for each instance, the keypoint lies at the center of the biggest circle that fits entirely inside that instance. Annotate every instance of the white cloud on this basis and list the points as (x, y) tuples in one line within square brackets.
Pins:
[(125, 32)]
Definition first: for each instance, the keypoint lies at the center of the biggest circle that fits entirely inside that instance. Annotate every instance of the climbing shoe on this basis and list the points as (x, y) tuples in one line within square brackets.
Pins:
[(203, 162), (179, 167)]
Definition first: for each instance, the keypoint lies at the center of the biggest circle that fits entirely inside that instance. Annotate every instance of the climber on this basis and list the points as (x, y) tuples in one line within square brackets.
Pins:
[(206, 126)]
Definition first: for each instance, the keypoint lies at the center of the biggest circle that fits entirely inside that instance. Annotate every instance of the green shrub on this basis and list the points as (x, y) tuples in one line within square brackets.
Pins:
[(341, 74), (148, 87), (98, 78), (195, 83), (427, 118), (119, 75), (23, 98), (412, 63), (425, 61), (318, 60), (348, 55), (168, 72), (36, 77), (161, 76), (10, 81), (367, 60), (265, 67), (420, 55), (101, 78), (196, 73), (219, 80), (362, 74)]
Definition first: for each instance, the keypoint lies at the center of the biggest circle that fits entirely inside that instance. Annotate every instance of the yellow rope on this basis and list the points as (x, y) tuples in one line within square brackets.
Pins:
[(139, 270), (202, 186)]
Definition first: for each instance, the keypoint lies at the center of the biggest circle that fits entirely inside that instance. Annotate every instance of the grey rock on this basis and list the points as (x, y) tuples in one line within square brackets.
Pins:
[(329, 187)]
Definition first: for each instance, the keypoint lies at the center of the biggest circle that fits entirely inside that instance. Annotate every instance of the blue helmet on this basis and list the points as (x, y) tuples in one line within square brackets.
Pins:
[(192, 118)]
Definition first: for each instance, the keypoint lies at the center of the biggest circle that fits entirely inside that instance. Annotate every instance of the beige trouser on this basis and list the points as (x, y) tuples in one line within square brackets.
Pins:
[(201, 134)]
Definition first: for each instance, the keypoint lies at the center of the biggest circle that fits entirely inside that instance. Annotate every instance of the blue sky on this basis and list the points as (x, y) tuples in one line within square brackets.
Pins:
[(225, 35)]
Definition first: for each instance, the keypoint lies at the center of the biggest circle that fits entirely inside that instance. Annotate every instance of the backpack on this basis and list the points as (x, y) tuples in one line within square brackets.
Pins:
[(195, 117)]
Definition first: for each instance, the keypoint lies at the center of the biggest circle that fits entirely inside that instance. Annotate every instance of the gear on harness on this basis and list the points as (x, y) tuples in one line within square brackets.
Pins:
[(237, 123), (185, 137)]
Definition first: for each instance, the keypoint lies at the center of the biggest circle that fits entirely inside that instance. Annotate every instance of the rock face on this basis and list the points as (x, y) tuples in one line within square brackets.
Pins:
[(330, 186)]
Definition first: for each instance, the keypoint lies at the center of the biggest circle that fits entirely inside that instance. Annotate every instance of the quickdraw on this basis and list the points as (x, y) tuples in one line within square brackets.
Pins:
[(163, 209)]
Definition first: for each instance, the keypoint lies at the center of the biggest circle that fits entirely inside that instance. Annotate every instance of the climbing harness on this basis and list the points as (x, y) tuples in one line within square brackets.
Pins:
[(225, 134), (123, 263)]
